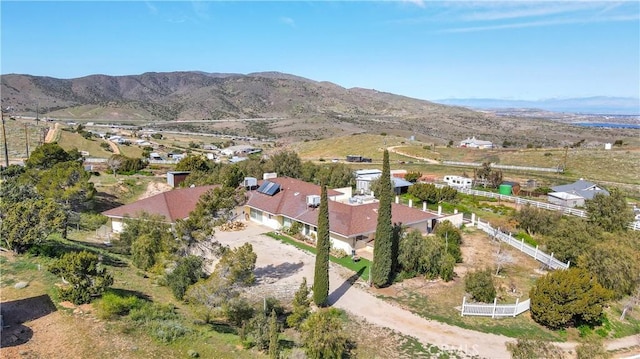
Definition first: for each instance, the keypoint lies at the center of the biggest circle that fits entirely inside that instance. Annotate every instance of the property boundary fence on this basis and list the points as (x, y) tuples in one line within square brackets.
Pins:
[(534, 252), (495, 309), (505, 167)]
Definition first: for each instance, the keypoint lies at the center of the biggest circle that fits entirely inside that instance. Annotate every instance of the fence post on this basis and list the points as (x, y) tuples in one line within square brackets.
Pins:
[(397, 199), (568, 264), (424, 206), (439, 209), (464, 300), (535, 256), (493, 312), (473, 218), (410, 203), (515, 308), (521, 243)]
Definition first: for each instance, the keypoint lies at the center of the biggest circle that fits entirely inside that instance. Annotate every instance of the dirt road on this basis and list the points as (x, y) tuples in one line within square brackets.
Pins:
[(280, 269), (428, 160), (52, 133)]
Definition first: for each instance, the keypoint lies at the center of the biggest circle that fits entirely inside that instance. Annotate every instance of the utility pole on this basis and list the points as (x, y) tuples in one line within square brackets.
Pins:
[(4, 136), (26, 136)]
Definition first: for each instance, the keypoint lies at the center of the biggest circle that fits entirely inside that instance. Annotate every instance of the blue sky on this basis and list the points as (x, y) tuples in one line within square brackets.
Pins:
[(423, 49)]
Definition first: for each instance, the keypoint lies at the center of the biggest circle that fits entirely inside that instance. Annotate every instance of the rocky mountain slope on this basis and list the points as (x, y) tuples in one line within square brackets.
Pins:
[(297, 108)]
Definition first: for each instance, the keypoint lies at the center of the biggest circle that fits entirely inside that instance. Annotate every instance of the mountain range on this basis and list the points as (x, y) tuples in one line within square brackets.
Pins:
[(292, 107)]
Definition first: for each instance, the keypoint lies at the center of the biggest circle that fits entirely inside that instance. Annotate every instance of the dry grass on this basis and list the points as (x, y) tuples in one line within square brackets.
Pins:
[(612, 167), (17, 138)]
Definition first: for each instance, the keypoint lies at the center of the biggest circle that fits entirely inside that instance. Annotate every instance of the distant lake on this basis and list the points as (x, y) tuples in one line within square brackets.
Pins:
[(609, 125)]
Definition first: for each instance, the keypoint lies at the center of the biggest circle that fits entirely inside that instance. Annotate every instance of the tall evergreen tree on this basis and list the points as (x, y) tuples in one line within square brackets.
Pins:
[(382, 269), (323, 245)]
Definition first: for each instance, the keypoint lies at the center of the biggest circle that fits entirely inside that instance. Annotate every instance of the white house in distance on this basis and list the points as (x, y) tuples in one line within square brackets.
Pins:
[(458, 181), (574, 194), (475, 143)]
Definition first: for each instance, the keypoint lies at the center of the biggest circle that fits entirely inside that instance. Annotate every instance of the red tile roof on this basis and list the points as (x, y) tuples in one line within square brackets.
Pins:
[(172, 205), (344, 219)]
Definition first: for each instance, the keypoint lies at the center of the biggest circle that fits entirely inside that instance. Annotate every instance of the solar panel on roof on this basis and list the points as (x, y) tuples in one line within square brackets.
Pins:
[(269, 188)]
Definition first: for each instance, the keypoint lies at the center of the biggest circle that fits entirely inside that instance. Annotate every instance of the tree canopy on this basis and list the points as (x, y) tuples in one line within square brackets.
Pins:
[(611, 213), (48, 155), (567, 298), (87, 278), (30, 222)]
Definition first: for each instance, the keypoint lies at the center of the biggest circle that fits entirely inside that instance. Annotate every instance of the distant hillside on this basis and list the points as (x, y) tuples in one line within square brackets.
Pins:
[(587, 105), (296, 108)]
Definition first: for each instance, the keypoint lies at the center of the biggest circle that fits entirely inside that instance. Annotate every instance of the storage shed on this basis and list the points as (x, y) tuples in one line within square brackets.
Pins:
[(174, 178)]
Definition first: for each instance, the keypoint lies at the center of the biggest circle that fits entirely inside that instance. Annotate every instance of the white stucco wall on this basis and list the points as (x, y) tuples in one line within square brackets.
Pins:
[(117, 225)]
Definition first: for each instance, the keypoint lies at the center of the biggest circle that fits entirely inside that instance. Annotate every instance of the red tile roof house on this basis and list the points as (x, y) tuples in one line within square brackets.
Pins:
[(172, 205), (351, 225)]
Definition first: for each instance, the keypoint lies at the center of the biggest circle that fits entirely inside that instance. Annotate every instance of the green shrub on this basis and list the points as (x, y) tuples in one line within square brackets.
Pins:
[(167, 331), (92, 221), (112, 305), (153, 311), (480, 285)]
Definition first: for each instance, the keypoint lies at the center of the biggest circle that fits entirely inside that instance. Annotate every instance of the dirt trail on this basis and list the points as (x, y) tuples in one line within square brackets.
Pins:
[(114, 147), (52, 133), (428, 160)]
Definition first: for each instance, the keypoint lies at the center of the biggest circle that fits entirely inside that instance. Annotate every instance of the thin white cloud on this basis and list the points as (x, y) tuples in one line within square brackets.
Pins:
[(201, 9), (152, 8), (541, 23), (288, 21), (419, 3), (470, 16)]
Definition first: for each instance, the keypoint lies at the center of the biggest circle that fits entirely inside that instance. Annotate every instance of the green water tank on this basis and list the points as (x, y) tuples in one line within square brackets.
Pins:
[(505, 189)]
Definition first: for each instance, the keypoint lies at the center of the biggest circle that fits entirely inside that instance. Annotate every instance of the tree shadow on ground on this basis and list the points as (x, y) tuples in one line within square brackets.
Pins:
[(222, 327), (130, 293), (271, 273), (57, 248), (17, 312), (344, 287), (103, 201)]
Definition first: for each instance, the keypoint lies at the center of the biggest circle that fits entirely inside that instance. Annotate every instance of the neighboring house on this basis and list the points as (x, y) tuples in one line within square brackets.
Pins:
[(172, 205), (364, 178), (575, 194), (475, 143), (280, 202), (458, 181)]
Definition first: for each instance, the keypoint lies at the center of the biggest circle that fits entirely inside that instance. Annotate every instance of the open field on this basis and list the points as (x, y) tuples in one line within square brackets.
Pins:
[(616, 167), (17, 132)]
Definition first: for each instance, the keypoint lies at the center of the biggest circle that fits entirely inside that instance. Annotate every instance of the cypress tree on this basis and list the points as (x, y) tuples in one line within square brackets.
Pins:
[(323, 245), (274, 333), (382, 269)]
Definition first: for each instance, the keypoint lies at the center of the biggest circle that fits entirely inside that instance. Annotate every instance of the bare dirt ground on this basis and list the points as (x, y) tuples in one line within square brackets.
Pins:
[(52, 133), (155, 188), (114, 147)]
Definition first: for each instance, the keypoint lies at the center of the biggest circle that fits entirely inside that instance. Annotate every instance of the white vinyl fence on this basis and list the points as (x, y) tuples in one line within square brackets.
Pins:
[(495, 309), (534, 252), (505, 167)]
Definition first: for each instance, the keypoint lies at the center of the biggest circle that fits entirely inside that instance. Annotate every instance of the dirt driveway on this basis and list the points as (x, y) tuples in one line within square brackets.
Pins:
[(280, 269)]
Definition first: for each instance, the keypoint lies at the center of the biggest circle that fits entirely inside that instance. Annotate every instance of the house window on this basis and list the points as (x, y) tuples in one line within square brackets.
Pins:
[(256, 215), (286, 222)]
